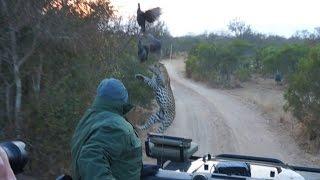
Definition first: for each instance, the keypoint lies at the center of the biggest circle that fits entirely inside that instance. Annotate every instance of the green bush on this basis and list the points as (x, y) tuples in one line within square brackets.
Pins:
[(303, 93), (243, 74), (283, 59), (216, 63)]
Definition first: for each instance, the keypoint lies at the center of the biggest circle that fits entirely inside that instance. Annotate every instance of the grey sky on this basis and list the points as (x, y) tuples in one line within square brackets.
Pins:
[(282, 17)]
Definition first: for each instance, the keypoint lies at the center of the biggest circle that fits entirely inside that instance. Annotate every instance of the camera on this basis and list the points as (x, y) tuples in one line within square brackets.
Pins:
[(17, 155)]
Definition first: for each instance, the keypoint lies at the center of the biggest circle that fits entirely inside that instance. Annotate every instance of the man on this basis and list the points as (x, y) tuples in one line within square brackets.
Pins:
[(105, 145)]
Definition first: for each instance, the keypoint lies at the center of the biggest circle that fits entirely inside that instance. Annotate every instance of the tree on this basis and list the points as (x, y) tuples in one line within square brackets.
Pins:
[(303, 93), (62, 49), (239, 28), (284, 59), (19, 37), (215, 63), (302, 34), (317, 32)]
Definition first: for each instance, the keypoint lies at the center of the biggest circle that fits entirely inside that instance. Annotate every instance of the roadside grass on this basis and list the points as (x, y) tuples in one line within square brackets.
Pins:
[(265, 95)]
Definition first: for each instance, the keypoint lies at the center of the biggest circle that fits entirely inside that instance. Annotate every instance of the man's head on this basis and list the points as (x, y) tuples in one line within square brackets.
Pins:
[(112, 90)]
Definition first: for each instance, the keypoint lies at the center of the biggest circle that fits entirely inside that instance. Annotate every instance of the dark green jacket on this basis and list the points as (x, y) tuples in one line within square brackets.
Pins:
[(105, 145)]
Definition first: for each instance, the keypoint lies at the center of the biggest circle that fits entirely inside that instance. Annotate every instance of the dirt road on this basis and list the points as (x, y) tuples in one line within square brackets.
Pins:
[(221, 123)]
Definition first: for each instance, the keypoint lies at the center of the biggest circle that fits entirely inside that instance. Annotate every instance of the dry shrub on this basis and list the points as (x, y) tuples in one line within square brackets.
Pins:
[(304, 138), (268, 108)]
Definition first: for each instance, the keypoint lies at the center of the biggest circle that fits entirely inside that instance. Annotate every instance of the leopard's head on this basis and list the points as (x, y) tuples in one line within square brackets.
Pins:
[(161, 72)]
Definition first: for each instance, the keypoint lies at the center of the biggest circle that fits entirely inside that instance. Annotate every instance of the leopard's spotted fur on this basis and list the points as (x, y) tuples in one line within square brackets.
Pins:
[(160, 83)]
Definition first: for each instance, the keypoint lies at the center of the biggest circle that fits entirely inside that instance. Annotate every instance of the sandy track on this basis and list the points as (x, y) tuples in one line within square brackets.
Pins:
[(221, 123)]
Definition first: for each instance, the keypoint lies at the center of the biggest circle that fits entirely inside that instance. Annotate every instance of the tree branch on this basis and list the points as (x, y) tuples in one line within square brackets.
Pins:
[(16, 60), (4, 58), (18, 4), (5, 80), (29, 53), (4, 6)]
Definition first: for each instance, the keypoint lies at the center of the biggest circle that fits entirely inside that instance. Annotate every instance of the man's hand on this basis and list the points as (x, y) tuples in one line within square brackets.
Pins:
[(6, 172)]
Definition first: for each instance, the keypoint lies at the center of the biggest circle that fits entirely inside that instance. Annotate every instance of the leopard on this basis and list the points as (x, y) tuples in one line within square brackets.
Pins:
[(160, 84)]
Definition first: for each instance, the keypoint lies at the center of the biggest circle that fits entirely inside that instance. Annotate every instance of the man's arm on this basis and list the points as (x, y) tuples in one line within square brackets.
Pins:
[(95, 156)]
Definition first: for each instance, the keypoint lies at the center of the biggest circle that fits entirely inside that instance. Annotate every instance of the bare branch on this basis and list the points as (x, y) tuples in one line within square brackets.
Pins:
[(5, 80), (29, 53), (6, 49), (16, 60), (7, 61), (4, 58), (2, 38), (18, 4), (4, 6), (2, 76)]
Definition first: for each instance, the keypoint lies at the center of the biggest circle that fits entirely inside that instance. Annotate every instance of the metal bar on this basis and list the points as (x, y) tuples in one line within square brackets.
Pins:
[(305, 169), (250, 158), (181, 154), (146, 143), (150, 135)]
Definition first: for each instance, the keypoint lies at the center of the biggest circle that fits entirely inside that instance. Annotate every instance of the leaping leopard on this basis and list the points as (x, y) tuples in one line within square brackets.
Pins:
[(160, 83)]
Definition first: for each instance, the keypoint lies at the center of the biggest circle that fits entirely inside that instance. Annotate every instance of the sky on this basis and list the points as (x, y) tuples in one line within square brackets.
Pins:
[(183, 17)]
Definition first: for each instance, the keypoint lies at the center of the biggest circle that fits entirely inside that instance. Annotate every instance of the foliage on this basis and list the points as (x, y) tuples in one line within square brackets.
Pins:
[(216, 63), (77, 44), (215, 58), (239, 28), (303, 93), (284, 59), (243, 74)]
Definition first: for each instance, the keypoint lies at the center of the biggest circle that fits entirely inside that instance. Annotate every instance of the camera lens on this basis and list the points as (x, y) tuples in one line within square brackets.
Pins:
[(17, 155)]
